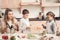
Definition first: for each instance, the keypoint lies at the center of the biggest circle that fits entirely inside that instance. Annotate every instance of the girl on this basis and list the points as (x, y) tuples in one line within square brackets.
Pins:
[(50, 24), (9, 23)]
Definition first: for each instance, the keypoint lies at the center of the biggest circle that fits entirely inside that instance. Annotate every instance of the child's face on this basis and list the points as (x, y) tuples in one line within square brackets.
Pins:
[(49, 17), (26, 15)]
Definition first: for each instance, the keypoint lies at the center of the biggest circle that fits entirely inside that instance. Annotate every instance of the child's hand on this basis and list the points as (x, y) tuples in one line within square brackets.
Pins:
[(44, 26), (28, 28), (14, 27)]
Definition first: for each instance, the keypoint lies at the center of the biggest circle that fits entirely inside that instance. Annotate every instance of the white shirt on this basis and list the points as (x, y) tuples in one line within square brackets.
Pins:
[(49, 24), (24, 23)]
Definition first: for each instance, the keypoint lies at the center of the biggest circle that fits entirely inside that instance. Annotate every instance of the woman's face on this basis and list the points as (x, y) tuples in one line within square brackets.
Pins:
[(10, 15)]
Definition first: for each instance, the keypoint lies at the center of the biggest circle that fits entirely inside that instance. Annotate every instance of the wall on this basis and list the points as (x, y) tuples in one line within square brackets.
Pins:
[(55, 10), (34, 11)]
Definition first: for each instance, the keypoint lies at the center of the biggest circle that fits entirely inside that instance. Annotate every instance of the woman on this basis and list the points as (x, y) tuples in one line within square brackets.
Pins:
[(9, 23)]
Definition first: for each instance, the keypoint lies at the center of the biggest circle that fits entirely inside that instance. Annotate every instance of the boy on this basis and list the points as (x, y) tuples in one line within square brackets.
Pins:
[(24, 22)]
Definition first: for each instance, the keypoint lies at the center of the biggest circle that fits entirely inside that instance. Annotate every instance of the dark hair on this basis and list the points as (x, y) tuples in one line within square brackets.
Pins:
[(51, 14), (25, 11), (6, 14)]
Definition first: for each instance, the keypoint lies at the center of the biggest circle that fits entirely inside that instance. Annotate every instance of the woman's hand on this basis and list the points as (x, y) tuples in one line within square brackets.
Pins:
[(14, 26)]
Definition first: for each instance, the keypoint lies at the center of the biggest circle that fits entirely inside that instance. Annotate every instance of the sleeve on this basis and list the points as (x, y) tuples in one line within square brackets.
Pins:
[(21, 25), (0, 20), (55, 27), (17, 24), (3, 26)]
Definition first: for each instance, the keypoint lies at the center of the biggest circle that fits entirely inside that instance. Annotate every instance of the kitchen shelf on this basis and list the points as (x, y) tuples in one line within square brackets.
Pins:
[(50, 4), (30, 3)]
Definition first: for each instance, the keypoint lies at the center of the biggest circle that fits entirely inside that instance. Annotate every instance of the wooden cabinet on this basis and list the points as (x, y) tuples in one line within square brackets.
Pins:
[(4, 3), (13, 3), (10, 3), (47, 3), (30, 2), (18, 3)]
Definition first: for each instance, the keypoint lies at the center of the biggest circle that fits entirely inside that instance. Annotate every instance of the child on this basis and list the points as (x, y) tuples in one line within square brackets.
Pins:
[(24, 22), (50, 24)]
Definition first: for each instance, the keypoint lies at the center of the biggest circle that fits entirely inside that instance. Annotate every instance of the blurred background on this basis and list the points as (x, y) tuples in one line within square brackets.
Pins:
[(34, 6)]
